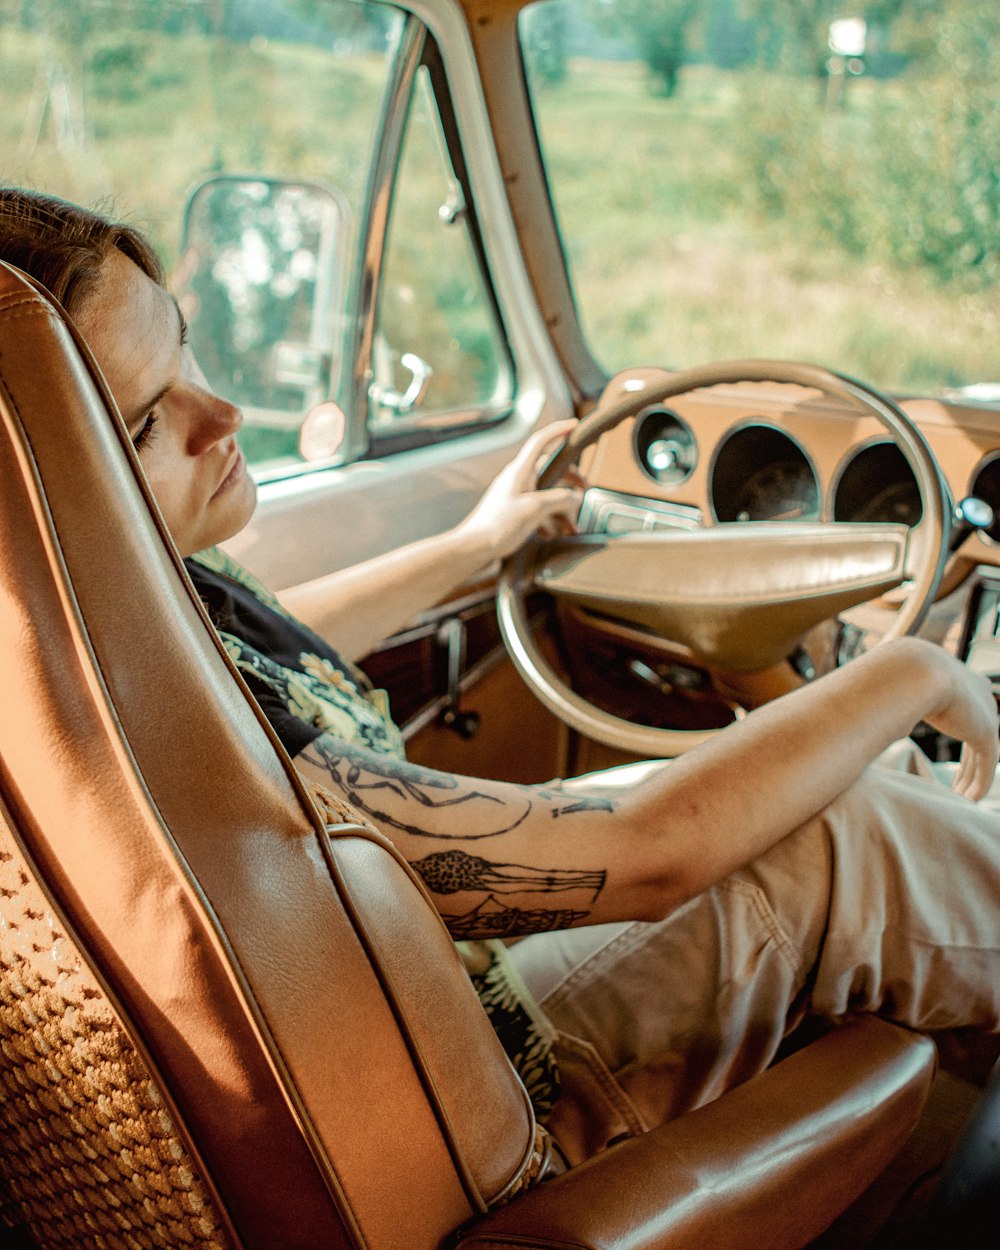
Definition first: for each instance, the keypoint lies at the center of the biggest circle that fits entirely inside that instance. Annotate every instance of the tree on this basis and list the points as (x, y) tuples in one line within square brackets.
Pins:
[(798, 28), (730, 40), (657, 29), (545, 41), (912, 181)]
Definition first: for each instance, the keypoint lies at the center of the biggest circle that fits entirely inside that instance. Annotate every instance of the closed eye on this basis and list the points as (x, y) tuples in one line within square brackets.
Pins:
[(142, 437)]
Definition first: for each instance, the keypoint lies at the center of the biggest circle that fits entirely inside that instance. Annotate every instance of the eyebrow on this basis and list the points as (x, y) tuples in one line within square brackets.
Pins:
[(143, 410)]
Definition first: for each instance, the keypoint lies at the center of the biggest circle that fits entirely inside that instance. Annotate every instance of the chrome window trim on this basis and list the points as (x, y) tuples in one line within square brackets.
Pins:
[(535, 361), (443, 422), (375, 225)]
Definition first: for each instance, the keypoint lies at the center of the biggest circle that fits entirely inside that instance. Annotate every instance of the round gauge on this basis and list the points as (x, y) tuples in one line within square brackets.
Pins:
[(760, 474), (899, 502), (784, 491), (665, 446), (986, 486), (878, 485)]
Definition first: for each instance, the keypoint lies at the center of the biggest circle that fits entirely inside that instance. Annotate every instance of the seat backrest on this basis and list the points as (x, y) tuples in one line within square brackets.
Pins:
[(227, 1008)]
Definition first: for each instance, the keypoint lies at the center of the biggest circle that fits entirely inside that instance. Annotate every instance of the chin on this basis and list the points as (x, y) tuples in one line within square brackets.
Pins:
[(227, 522)]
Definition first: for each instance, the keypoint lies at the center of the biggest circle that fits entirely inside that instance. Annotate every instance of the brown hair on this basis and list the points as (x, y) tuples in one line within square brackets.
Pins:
[(63, 246)]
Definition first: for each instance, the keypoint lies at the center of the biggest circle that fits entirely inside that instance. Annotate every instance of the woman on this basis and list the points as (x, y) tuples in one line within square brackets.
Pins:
[(681, 921)]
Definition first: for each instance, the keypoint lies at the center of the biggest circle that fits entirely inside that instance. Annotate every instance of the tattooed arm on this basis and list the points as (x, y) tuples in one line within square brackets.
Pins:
[(533, 858), (498, 859)]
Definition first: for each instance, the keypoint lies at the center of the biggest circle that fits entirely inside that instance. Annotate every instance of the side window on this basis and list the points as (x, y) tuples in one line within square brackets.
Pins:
[(438, 349), (275, 108), (247, 146)]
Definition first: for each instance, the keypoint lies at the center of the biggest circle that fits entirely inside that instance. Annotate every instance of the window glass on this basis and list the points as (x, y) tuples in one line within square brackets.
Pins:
[(129, 104), (763, 178), (439, 348)]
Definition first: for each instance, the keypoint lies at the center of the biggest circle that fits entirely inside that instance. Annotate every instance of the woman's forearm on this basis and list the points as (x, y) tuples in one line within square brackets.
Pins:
[(642, 851), (760, 779), (355, 608)]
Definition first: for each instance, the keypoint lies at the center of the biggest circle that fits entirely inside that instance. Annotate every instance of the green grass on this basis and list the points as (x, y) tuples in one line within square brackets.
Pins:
[(712, 225), (678, 257), (170, 109)]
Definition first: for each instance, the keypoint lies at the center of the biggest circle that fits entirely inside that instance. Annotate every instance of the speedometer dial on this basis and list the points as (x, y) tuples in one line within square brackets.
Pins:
[(785, 491), (899, 502), (877, 484), (762, 474)]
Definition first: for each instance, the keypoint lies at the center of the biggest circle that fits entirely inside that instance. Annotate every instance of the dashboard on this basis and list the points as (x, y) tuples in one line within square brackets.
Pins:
[(780, 452)]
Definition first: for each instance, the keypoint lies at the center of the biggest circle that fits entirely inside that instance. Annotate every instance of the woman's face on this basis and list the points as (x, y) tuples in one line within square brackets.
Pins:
[(185, 435)]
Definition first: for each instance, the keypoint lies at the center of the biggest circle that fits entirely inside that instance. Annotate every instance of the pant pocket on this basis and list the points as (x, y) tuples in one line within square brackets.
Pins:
[(593, 1110)]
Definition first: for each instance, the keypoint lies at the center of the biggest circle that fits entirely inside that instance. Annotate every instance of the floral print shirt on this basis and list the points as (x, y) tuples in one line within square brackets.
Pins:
[(302, 685)]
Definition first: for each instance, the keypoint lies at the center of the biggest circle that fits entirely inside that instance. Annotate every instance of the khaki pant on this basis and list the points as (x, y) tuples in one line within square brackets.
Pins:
[(888, 902)]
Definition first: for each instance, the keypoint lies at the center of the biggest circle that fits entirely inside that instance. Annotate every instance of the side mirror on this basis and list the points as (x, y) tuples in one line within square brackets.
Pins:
[(261, 283)]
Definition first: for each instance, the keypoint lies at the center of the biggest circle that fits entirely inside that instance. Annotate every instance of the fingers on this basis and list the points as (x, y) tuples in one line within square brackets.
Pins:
[(537, 449), (560, 507), (977, 763), (964, 773), (512, 509), (554, 432), (545, 507), (560, 500), (976, 770), (968, 715)]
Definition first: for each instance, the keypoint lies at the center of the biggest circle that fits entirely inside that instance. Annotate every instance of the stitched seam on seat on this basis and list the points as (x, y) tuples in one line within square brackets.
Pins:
[(27, 308)]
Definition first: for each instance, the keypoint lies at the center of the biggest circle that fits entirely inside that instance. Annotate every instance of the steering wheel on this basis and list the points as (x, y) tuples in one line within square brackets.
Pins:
[(740, 595)]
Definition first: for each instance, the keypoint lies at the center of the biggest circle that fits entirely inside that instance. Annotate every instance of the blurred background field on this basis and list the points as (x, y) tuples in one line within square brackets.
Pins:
[(720, 203), (749, 210)]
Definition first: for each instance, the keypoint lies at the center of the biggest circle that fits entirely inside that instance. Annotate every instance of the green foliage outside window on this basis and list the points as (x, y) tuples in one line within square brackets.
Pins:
[(908, 172), (758, 212)]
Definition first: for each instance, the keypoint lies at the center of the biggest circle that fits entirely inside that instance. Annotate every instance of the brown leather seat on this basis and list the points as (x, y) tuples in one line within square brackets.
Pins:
[(229, 1015)]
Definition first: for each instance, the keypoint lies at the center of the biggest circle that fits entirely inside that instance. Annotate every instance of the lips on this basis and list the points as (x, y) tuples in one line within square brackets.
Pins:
[(233, 473)]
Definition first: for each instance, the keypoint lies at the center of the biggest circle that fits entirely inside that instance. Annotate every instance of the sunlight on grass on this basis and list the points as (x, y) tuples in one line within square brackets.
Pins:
[(166, 111), (674, 262), (715, 224)]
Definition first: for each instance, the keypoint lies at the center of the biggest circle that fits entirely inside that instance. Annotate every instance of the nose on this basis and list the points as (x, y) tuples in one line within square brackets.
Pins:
[(211, 420)]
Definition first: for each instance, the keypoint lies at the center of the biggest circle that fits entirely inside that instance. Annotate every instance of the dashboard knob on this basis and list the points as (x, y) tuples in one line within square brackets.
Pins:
[(663, 455), (971, 513), (665, 446)]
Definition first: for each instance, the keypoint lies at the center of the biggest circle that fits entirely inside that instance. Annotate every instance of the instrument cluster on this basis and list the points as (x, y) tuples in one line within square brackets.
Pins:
[(758, 471)]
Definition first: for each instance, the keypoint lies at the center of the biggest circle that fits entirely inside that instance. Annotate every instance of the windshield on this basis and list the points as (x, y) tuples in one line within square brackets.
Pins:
[(753, 178)]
